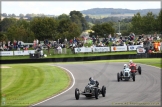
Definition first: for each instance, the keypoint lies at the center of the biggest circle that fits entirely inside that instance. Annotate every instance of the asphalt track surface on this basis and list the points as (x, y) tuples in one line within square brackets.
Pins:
[(145, 90)]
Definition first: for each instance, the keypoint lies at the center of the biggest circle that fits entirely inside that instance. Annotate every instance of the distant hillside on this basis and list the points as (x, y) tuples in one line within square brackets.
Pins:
[(112, 11)]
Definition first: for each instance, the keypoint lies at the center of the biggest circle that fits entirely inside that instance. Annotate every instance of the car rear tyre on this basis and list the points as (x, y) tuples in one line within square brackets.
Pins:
[(96, 93), (77, 94), (133, 75), (139, 70), (118, 77), (103, 91)]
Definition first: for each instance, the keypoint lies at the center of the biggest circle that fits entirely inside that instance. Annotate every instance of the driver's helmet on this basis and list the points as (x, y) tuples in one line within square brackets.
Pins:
[(130, 61), (125, 65), (91, 78)]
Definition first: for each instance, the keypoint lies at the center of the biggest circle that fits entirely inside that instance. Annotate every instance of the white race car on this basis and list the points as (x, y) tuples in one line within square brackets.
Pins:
[(126, 74)]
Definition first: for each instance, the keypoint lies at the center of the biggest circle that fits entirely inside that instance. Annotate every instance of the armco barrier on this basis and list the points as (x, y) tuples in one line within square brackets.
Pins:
[(93, 58)]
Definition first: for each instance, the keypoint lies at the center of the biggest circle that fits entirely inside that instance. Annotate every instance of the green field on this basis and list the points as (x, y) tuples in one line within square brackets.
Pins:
[(25, 84)]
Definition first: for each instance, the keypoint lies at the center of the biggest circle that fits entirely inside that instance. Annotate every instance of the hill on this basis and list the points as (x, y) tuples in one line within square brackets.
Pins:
[(117, 12)]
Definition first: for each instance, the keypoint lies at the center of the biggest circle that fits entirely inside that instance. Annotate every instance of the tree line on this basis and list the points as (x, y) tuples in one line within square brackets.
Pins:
[(139, 24), (63, 26), (72, 25)]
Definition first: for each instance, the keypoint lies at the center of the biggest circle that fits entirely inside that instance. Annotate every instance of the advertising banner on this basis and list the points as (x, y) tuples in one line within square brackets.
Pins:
[(101, 49), (82, 49), (26, 52), (118, 48), (134, 47), (141, 50), (6, 53)]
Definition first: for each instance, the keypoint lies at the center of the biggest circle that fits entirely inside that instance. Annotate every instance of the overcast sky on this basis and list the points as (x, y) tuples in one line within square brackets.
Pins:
[(60, 7)]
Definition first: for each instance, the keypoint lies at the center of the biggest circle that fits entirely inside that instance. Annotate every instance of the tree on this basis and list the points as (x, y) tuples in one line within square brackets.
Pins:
[(68, 29), (102, 29), (97, 28), (6, 23), (149, 25), (16, 33), (159, 22), (13, 15), (63, 16), (4, 15), (77, 17), (137, 24), (3, 36), (9, 15), (74, 31), (28, 15), (44, 28), (24, 23), (21, 15), (146, 24)]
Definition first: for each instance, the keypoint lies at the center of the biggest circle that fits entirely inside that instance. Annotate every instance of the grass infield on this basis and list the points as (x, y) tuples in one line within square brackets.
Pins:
[(26, 84)]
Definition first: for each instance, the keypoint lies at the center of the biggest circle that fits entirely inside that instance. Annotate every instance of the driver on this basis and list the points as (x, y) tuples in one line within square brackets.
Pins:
[(131, 63), (93, 82), (125, 66)]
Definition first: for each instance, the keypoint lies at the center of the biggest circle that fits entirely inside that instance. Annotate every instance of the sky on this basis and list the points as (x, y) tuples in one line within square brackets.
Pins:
[(60, 7)]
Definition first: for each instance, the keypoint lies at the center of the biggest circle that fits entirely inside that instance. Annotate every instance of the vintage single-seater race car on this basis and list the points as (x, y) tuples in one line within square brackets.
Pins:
[(134, 68), (126, 74), (92, 89)]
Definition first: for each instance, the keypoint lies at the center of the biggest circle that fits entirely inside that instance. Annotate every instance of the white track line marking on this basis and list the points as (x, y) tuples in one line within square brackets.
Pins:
[(63, 91)]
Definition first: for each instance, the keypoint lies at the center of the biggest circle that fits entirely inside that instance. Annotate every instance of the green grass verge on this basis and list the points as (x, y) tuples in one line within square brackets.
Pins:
[(26, 84), (149, 61), (70, 55)]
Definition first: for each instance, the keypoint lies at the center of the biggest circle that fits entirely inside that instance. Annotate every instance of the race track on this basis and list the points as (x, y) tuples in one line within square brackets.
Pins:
[(146, 89)]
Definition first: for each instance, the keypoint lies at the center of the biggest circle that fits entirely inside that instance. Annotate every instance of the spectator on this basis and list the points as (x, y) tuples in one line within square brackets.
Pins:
[(37, 42), (124, 44), (159, 46), (48, 47), (156, 46), (1, 48), (59, 49)]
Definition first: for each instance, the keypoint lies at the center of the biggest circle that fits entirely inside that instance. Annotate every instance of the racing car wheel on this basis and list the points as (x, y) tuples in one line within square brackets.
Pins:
[(77, 94), (103, 91), (139, 70)]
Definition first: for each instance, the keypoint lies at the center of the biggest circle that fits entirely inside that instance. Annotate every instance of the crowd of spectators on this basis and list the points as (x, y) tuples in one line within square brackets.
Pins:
[(149, 42), (9, 45)]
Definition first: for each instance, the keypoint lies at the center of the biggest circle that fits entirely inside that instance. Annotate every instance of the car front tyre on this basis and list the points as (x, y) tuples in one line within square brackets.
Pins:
[(139, 70), (103, 91), (77, 94)]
